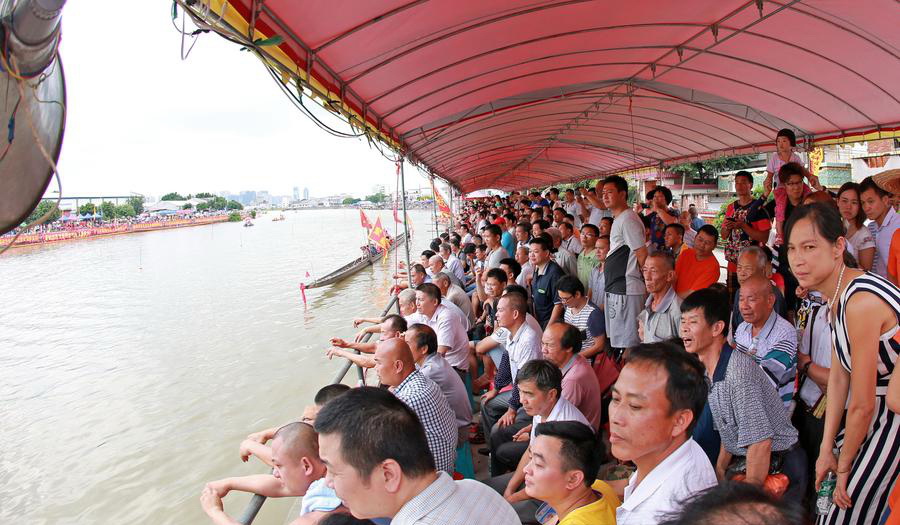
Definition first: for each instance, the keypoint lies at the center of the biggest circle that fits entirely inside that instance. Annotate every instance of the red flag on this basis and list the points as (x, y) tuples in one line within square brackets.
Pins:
[(377, 235), (364, 221), (441, 203), (303, 293), (307, 274)]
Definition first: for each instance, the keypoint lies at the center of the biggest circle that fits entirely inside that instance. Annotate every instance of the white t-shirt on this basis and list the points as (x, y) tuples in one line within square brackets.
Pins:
[(775, 163), (562, 411), (523, 346), (500, 335), (682, 474), (626, 236), (860, 240), (494, 257), (597, 214), (449, 324), (572, 244), (575, 209), (454, 265)]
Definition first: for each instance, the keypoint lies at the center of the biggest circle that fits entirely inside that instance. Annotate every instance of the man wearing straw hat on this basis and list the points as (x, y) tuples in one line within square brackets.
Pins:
[(889, 181)]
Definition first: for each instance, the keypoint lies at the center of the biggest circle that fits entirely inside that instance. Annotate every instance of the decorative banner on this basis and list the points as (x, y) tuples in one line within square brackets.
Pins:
[(441, 203), (816, 156), (378, 237), (364, 221)]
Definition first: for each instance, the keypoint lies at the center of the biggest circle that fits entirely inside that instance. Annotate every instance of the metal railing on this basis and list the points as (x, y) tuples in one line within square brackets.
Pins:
[(256, 502)]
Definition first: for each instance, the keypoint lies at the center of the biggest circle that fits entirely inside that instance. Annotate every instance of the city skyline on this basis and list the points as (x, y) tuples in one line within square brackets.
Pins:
[(217, 121)]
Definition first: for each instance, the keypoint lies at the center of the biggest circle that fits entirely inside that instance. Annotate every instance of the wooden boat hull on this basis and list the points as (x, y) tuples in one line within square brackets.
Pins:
[(353, 267)]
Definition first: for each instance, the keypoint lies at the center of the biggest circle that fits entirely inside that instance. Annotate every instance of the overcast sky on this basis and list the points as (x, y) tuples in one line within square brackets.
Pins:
[(142, 120)]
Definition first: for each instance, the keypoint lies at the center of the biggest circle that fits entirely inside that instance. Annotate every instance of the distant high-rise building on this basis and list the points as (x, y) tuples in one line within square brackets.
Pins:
[(305, 193), (247, 197), (378, 188), (296, 193)]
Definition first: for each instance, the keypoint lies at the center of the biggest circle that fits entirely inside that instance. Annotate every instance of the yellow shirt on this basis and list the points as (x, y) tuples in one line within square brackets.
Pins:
[(600, 512)]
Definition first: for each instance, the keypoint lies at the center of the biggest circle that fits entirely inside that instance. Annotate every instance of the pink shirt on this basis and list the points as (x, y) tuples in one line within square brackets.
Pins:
[(581, 388)]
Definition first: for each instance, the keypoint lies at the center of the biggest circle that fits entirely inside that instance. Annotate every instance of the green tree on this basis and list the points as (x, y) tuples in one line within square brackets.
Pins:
[(253, 213), (204, 196), (708, 169), (42, 208), (349, 200), (88, 208), (125, 210), (172, 197), (203, 206), (234, 216), (218, 203), (108, 210), (234, 205), (187, 206), (137, 204), (376, 198)]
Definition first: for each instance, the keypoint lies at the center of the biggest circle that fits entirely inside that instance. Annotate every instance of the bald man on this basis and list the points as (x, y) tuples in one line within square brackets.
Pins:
[(297, 471), (753, 261), (767, 337), (455, 294), (396, 368)]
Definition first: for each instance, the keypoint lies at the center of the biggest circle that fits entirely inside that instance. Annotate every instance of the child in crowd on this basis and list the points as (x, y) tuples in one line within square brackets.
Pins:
[(785, 142)]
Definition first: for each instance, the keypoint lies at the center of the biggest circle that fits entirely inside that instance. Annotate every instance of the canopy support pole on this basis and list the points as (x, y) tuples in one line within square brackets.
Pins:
[(405, 222), (450, 204)]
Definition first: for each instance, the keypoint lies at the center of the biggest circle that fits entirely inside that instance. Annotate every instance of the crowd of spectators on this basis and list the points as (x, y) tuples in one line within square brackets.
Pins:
[(615, 365)]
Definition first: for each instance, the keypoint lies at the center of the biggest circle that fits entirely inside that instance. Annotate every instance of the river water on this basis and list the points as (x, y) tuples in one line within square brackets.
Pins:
[(132, 366)]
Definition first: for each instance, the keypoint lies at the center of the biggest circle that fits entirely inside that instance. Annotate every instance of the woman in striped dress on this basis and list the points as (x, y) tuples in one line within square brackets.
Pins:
[(865, 309)]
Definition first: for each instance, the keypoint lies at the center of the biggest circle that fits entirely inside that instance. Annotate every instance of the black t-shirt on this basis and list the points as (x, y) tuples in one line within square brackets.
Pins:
[(543, 292), (783, 266), (788, 209)]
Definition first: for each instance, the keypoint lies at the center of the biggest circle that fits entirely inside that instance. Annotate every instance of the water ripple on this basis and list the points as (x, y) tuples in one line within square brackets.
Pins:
[(132, 366)]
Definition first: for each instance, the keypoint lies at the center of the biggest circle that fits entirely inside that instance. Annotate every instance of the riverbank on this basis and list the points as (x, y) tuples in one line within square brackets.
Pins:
[(30, 239)]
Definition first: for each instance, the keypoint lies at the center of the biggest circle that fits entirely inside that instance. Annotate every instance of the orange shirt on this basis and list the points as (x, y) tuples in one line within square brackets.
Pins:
[(894, 498), (691, 274), (894, 255)]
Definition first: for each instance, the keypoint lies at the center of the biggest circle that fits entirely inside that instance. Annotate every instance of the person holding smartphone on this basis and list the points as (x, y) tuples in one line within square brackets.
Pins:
[(746, 223)]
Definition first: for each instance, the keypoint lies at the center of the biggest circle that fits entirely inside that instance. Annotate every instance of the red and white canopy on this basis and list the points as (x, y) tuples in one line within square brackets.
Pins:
[(524, 93)]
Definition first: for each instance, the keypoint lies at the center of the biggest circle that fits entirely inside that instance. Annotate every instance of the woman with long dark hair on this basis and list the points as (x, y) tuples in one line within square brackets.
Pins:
[(865, 309), (860, 242)]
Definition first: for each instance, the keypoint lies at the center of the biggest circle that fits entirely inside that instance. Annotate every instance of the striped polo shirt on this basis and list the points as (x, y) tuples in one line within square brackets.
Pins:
[(775, 350)]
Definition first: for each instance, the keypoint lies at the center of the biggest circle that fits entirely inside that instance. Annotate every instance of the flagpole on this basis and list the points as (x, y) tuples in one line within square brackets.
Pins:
[(405, 223), (450, 206), (434, 207)]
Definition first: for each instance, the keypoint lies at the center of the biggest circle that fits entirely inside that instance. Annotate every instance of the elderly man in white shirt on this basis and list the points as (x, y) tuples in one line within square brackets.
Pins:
[(455, 295), (448, 323), (453, 264), (569, 241), (654, 431), (356, 428)]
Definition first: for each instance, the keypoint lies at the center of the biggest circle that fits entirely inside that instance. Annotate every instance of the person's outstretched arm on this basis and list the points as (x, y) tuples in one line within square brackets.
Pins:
[(263, 484), (250, 447)]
